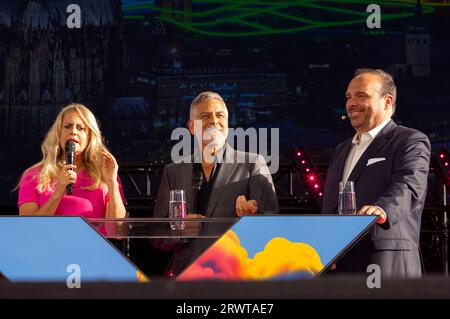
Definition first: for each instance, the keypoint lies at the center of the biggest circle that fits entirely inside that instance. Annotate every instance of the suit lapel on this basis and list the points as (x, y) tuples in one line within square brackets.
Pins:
[(341, 158), (374, 147), (225, 172)]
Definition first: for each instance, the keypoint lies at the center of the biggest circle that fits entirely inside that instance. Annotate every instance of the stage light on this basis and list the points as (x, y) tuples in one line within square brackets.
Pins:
[(441, 164), (310, 176)]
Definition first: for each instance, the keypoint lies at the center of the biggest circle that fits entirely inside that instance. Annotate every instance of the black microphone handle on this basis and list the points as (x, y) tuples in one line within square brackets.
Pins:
[(70, 157), (69, 160), (69, 189)]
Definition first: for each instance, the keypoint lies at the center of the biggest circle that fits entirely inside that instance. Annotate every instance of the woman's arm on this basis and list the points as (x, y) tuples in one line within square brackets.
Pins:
[(48, 209), (65, 177), (115, 207)]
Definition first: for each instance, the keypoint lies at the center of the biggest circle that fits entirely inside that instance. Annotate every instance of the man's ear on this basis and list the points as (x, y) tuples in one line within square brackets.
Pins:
[(191, 126), (389, 102)]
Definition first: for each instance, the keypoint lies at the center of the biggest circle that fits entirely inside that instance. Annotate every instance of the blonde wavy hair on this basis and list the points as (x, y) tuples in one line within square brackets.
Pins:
[(52, 153)]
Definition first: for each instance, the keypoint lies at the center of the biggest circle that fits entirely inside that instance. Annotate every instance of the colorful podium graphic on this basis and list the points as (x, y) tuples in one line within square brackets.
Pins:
[(278, 247), (44, 248), (254, 248)]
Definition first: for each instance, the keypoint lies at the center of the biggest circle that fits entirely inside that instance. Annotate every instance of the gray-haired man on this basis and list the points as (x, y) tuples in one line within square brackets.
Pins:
[(234, 183)]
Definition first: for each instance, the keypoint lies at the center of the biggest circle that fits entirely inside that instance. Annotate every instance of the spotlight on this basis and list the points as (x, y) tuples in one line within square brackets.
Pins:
[(306, 168), (441, 165)]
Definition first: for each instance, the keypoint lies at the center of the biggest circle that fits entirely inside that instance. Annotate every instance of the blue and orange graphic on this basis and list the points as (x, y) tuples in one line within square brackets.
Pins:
[(228, 260), (277, 247)]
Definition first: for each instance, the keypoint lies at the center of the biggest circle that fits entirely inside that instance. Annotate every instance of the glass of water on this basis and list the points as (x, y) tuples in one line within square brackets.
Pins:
[(347, 199), (177, 209)]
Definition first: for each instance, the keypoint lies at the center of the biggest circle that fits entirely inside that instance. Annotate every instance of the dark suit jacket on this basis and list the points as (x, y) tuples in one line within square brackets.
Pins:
[(398, 185), (251, 179)]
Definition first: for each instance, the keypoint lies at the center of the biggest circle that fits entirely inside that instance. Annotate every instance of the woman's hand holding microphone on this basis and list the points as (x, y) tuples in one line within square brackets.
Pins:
[(65, 176)]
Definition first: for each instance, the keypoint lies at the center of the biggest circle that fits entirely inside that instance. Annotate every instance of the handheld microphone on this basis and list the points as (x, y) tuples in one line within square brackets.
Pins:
[(197, 181), (70, 156)]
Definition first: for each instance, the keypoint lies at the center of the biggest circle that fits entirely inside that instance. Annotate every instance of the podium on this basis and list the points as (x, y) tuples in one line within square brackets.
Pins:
[(153, 245), (159, 228), (262, 247)]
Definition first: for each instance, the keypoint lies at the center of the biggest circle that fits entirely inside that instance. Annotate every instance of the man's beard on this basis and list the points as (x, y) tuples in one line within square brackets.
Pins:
[(214, 137)]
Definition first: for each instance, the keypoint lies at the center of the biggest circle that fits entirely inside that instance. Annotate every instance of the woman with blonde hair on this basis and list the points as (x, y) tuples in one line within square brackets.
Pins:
[(97, 191)]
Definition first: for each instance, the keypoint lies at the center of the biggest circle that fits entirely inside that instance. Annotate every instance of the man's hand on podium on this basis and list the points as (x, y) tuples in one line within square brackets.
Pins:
[(195, 216), (245, 207), (192, 227), (374, 210)]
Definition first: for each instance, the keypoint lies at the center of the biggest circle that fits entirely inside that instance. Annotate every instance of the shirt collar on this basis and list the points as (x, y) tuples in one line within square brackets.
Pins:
[(371, 134), (220, 155)]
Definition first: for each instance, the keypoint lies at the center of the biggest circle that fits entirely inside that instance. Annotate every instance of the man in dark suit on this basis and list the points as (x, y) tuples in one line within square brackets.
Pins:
[(389, 167), (234, 183)]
